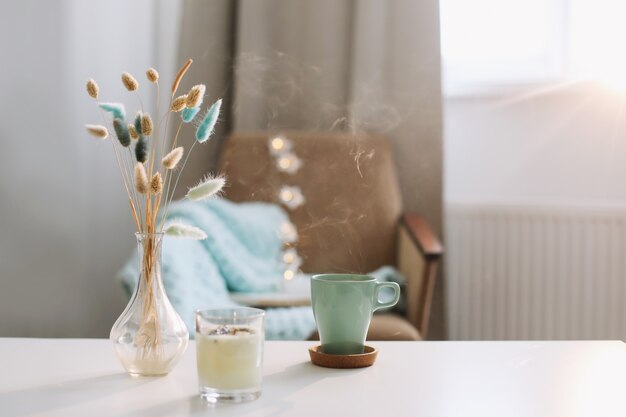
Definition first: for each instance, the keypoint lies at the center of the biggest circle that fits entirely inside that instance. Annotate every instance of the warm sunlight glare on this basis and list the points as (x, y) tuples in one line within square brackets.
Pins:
[(598, 38)]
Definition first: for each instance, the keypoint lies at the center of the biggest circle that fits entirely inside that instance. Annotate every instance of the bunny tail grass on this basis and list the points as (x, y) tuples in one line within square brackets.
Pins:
[(121, 131), (171, 160), (98, 131), (92, 88), (179, 103), (188, 114), (141, 149), (209, 187), (141, 178), (116, 109), (152, 75), (138, 122), (195, 96), (133, 132), (129, 82), (205, 129), (180, 75), (156, 184), (180, 230), (146, 124)]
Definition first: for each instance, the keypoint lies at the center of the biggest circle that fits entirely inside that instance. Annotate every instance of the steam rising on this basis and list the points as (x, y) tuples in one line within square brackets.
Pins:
[(296, 96), (277, 92)]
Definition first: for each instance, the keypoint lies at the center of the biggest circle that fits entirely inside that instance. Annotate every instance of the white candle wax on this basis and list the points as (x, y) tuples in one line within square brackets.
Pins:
[(230, 361)]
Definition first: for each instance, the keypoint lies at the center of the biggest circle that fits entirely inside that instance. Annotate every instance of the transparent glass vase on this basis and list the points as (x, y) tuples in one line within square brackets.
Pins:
[(149, 337)]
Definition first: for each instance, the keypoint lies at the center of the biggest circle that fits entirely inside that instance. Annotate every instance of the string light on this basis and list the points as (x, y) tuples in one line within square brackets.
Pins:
[(288, 233), (286, 195), (284, 163), (288, 257), (279, 145), (291, 258), (291, 196), (288, 163)]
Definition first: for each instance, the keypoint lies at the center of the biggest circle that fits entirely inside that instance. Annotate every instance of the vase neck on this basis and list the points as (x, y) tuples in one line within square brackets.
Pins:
[(149, 248), (145, 240)]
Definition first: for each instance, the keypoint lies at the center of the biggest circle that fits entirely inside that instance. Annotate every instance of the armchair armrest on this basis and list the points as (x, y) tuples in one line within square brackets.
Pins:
[(419, 251), (423, 236)]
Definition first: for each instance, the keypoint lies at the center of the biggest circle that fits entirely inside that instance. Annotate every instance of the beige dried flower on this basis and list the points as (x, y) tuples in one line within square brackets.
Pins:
[(208, 187), (141, 178), (156, 184), (180, 75), (195, 96), (129, 82), (146, 124), (133, 132), (98, 131), (181, 230), (152, 75), (171, 160), (92, 88), (179, 103)]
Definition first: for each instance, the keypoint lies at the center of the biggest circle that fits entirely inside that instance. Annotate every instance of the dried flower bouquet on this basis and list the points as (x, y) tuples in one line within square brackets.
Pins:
[(149, 166)]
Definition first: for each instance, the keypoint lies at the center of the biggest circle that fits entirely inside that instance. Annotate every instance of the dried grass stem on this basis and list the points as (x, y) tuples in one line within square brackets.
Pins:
[(180, 75)]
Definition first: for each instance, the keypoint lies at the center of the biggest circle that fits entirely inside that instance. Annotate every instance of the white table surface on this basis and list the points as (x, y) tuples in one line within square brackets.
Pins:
[(55, 377)]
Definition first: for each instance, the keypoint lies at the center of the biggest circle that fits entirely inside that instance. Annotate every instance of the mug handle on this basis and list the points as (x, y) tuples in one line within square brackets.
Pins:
[(379, 285)]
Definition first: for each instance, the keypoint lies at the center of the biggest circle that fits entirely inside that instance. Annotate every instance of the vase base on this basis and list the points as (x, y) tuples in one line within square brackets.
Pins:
[(149, 337)]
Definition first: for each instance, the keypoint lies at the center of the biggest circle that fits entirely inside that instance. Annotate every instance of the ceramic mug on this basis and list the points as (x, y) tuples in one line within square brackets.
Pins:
[(343, 305)]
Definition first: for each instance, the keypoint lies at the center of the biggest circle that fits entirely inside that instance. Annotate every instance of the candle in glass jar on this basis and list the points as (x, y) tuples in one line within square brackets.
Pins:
[(230, 358)]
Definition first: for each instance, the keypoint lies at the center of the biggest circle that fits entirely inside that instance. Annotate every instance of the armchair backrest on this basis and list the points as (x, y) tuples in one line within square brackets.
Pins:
[(348, 222)]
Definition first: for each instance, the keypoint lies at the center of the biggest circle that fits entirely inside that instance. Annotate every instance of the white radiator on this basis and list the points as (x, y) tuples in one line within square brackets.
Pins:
[(526, 272)]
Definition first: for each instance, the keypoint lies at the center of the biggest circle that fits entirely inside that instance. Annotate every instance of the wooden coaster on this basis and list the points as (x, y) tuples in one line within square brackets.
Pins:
[(359, 360)]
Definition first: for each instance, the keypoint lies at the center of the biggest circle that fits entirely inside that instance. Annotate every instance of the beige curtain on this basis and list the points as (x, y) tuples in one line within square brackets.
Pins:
[(360, 65)]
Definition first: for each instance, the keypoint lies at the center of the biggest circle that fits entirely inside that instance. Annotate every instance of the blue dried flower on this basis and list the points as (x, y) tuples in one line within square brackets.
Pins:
[(205, 129), (141, 149), (116, 109), (121, 131), (138, 122), (188, 114)]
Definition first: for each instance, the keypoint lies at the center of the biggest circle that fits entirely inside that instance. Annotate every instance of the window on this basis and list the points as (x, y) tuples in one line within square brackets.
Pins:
[(488, 45), (493, 43), (597, 39)]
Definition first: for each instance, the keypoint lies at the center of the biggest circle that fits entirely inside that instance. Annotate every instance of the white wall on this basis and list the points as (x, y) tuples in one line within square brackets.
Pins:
[(564, 145), (64, 220), (536, 253)]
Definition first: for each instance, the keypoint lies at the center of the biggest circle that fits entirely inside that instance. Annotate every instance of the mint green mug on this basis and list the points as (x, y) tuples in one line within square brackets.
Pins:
[(343, 305)]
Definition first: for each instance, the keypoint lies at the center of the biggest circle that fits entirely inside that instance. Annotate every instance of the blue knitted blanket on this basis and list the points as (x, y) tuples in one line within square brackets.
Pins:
[(242, 253)]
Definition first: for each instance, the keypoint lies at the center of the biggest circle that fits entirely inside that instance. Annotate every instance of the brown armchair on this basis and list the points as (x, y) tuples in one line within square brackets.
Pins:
[(352, 218)]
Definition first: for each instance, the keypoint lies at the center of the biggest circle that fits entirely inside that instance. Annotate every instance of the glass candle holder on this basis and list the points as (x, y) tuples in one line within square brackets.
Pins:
[(229, 351)]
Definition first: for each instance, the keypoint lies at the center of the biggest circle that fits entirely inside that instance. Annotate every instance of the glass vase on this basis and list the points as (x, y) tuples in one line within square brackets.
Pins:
[(149, 337)]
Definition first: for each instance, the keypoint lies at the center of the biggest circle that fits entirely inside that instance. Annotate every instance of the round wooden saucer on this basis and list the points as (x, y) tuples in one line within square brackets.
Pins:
[(359, 360)]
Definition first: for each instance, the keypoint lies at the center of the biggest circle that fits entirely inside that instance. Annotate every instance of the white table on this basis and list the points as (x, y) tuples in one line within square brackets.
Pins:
[(553, 379)]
